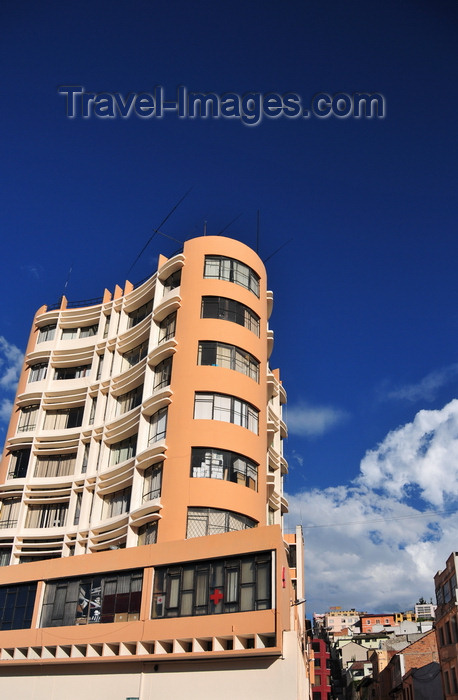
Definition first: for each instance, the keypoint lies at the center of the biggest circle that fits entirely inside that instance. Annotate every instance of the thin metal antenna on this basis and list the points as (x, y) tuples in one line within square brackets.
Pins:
[(170, 237), (229, 224), (276, 251), (205, 228), (68, 277), (156, 230), (258, 228)]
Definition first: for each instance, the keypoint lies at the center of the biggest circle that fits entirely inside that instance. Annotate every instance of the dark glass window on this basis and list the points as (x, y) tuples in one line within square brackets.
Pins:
[(173, 281), (16, 606), (55, 465), (218, 354), (230, 310), (28, 418), (116, 503), (46, 333), (158, 426), (124, 449), (228, 409), (108, 598), (222, 268), (211, 463), (163, 373), (72, 372), (89, 331), (38, 371), (214, 521), (234, 584), (130, 400), (139, 314), (134, 356), (64, 418), (19, 463), (152, 481), (5, 556), (147, 534), (167, 327)]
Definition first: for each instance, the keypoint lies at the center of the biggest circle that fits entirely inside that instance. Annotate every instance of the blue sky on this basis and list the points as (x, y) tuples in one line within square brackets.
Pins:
[(363, 211)]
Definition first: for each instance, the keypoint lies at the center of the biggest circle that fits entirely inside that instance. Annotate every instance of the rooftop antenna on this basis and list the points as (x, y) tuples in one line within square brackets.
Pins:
[(68, 279), (205, 228), (156, 230)]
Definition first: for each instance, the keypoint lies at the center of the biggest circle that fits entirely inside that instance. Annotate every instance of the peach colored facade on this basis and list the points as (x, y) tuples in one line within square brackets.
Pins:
[(141, 494)]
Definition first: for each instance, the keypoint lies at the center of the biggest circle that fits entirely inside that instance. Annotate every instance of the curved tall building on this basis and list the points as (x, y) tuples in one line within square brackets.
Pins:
[(141, 493)]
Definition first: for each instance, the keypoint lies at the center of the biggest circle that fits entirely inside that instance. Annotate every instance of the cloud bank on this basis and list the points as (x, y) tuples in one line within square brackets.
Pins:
[(376, 543), (313, 421)]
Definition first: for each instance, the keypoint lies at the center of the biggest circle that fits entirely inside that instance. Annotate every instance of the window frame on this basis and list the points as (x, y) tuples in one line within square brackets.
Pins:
[(231, 270)]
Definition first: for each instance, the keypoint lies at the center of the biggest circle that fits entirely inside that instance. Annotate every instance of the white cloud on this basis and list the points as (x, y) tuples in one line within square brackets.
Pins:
[(426, 389), (6, 406), (368, 544), (11, 359), (313, 421), (420, 455)]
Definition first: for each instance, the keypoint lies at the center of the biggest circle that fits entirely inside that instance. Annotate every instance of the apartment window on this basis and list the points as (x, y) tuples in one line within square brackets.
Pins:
[(130, 400), (134, 356), (152, 482), (5, 556), (9, 512), (107, 326), (28, 418), (112, 597), (439, 596), (125, 449), (47, 515), (64, 418), (163, 373), (99, 367), (19, 464), (16, 606), (228, 409), (116, 503), (230, 310), (222, 268), (84, 332), (167, 327), (87, 447), (447, 683), (55, 465), (233, 584), (72, 372), (93, 410), (89, 331), (230, 356), (211, 463), (69, 333), (158, 426), (172, 282), (46, 333), (139, 314), (38, 371), (147, 534), (213, 521), (79, 500)]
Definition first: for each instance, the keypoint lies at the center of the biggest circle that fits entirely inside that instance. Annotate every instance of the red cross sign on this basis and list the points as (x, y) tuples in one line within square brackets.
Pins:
[(216, 596)]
